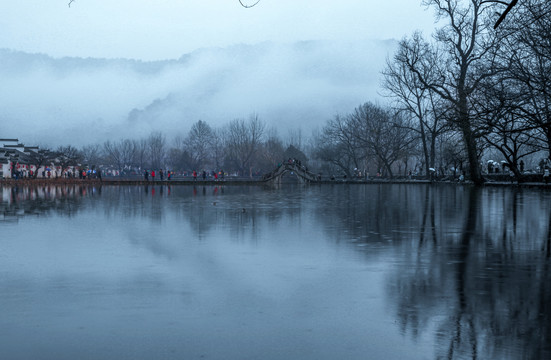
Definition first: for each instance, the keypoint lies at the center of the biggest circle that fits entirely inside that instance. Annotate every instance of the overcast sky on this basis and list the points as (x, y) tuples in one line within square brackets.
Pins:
[(167, 29)]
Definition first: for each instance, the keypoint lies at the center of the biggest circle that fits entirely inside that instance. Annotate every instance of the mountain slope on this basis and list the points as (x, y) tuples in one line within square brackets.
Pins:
[(84, 100)]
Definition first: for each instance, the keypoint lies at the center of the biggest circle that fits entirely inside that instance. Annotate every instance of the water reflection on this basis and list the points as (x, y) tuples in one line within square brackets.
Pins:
[(484, 288), (464, 270), (17, 202)]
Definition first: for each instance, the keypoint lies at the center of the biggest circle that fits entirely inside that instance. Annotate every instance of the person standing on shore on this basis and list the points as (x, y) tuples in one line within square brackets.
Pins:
[(521, 166), (194, 175), (152, 175)]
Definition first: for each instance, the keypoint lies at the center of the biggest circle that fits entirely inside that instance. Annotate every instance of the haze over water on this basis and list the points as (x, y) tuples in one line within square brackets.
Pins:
[(237, 272)]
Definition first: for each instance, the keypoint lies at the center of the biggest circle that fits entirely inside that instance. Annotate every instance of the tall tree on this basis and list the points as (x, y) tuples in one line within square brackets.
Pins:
[(140, 153), (198, 144), (119, 153), (463, 47), (412, 99), (272, 150), (527, 54), (244, 141), (156, 146), (339, 145), (218, 147), (91, 154), (500, 103), (382, 134)]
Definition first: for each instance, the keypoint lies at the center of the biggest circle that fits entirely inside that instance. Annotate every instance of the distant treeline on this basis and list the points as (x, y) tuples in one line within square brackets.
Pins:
[(470, 96)]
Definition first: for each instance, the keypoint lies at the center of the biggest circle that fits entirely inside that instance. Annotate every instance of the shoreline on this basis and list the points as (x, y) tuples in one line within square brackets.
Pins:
[(249, 182)]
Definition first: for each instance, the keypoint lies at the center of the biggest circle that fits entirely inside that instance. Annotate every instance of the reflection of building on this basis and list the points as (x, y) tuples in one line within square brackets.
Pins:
[(20, 201)]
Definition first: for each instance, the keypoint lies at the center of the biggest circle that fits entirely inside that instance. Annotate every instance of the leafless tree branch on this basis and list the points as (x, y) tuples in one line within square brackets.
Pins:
[(246, 6), (240, 1), (502, 17)]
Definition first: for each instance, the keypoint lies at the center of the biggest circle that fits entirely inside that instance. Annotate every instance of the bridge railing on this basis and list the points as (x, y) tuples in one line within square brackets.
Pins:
[(299, 170)]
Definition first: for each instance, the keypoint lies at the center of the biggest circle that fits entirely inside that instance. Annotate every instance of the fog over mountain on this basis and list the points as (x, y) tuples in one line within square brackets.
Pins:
[(79, 101)]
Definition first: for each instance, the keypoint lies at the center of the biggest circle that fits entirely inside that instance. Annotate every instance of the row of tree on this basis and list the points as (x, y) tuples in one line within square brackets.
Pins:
[(242, 146), (489, 87), (471, 89)]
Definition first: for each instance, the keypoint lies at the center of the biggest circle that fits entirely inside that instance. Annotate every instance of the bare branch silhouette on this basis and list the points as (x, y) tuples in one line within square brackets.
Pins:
[(502, 17), (240, 1), (248, 6)]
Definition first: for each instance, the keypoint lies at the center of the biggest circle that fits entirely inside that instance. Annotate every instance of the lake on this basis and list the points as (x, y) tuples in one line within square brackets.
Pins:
[(364, 271)]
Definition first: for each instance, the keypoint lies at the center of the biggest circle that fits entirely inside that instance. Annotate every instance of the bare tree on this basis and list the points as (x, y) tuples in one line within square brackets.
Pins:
[(66, 156), (244, 141), (198, 144), (295, 138), (272, 150), (463, 46), (501, 102), (177, 156), (156, 144), (218, 145), (527, 53), (120, 153), (91, 154), (412, 99), (40, 158), (451, 153), (140, 153), (382, 135), (339, 145)]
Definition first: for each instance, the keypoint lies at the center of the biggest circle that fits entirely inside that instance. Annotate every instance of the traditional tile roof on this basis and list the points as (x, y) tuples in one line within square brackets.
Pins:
[(15, 152)]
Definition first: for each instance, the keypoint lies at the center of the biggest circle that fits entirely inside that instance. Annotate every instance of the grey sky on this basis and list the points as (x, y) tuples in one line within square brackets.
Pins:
[(163, 29), (279, 73)]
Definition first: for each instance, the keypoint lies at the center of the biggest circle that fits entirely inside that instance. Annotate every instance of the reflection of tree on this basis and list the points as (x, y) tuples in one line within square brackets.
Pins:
[(384, 213), (237, 209), (484, 283), (462, 336), (473, 264)]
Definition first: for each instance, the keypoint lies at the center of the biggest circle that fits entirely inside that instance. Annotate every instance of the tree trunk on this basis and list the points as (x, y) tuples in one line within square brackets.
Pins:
[(425, 149), (388, 168), (468, 136), (472, 154)]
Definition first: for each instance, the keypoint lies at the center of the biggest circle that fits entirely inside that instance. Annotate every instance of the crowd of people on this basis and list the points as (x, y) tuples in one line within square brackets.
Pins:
[(160, 175), (55, 174)]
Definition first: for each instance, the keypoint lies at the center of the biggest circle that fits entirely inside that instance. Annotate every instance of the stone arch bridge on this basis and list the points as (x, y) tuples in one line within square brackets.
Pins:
[(301, 172)]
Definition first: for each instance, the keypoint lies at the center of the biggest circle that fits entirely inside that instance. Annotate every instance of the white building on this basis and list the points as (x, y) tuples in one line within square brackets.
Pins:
[(6, 157)]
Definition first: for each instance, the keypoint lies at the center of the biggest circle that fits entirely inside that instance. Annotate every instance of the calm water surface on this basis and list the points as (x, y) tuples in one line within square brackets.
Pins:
[(331, 272)]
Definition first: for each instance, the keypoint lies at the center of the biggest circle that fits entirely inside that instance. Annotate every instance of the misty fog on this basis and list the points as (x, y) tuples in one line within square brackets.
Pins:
[(79, 101)]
